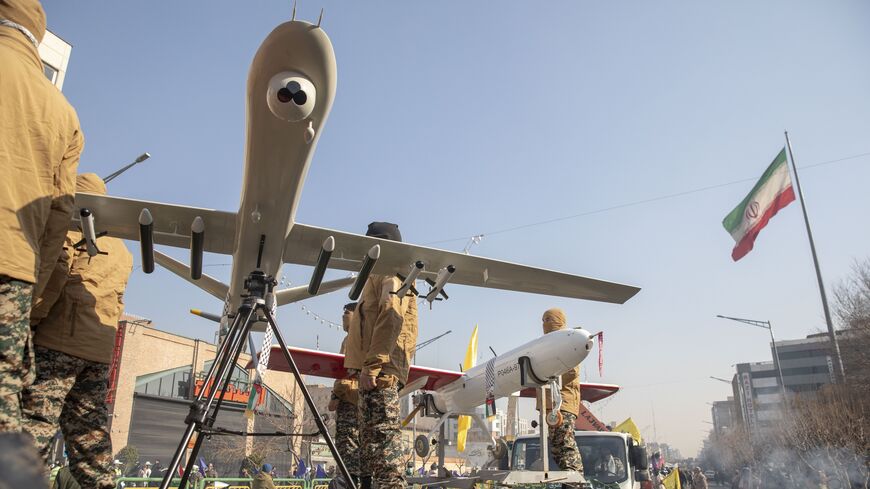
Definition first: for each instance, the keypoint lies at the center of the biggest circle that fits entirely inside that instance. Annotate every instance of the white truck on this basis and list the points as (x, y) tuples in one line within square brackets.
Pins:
[(610, 459)]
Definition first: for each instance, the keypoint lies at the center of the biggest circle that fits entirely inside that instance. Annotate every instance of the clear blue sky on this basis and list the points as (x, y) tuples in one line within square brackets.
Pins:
[(455, 119)]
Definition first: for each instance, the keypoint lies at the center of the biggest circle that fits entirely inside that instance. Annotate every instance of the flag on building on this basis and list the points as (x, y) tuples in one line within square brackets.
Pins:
[(672, 481), (773, 192), (629, 427)]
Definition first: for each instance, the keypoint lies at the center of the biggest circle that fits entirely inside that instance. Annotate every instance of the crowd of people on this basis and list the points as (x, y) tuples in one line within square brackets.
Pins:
[(132, 475), (688, 478)]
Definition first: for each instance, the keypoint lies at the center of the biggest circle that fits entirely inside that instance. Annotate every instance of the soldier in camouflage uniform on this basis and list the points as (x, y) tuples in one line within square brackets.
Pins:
[(381, 340), (563, 445), (16, 349), (344, 402), (40, 145), (75, 323)]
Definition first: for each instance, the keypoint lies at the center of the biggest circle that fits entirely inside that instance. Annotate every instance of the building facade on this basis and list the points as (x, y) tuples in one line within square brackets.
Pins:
[(153, 379), (807, 364), (723, 415), (758, 395), (55, 54)]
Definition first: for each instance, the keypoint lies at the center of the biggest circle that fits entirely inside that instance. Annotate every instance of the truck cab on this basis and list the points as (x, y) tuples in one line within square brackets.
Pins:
[(610, 459)]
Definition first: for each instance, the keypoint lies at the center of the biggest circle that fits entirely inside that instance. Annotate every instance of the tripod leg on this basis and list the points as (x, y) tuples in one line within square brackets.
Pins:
[(223, 380), (227, 376), (198, 410), (307, 395)]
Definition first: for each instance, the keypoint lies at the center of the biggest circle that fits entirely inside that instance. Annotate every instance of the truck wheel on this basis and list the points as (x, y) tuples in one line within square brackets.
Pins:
[(554, 418), (421, 446)]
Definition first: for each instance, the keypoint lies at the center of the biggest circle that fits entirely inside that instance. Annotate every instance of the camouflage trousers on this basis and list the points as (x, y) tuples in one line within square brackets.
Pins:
[(70, 393), (16, 349), (347, 436), (563, 445), (381, 436)]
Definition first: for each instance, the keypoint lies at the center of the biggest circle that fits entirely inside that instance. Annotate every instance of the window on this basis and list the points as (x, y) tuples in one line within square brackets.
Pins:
[(239, 375), (767, 390), (818, 369), (50, 72), (763, 374), (174, 383), (604, 457), (793, 355)]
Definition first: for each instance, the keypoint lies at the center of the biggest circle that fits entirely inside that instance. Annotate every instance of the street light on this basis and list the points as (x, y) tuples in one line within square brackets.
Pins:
[(139, 159), (720, 379), (765, 325)]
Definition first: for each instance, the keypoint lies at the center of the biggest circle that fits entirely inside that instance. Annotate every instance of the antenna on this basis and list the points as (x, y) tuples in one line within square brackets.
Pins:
[(294, 11)]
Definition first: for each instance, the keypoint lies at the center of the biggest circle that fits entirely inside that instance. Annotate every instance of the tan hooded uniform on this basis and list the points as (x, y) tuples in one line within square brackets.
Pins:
[(40, 145), (75, 323), (383, 332), (380, 344), (562, 443)]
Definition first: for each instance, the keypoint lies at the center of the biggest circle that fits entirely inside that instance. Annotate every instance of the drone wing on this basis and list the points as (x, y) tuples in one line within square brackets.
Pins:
[(304, 243), (588, 392), (120, 218), (331, 365)]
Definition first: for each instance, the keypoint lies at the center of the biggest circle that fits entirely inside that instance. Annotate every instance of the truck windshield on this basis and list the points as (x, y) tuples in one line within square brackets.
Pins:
[(603, 457)]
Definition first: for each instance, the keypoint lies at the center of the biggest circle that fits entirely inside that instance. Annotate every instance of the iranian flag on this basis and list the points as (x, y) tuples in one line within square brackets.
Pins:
[(773, 192)]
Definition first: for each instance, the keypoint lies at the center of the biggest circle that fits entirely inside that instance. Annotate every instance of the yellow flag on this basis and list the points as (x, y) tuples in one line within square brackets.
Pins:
[(465, 421), (672, 481), (629, 427)]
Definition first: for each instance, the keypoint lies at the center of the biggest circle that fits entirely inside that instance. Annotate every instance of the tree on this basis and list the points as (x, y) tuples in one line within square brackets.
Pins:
[(852, 309), (129, 456), (229, 450), (829, 432)]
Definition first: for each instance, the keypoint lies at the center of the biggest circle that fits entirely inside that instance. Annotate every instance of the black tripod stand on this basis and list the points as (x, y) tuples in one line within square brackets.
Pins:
[(204, 409)]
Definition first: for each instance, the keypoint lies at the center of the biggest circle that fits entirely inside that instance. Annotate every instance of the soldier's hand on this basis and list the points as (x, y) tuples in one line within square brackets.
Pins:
[(333, 405), (367, 382)]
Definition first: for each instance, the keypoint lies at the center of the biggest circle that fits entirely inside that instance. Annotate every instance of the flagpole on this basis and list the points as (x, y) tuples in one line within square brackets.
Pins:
[(831, 333)]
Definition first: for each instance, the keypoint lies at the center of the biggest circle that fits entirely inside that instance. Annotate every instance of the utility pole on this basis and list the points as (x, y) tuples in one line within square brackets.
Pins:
[(765, 325), (831, 333)]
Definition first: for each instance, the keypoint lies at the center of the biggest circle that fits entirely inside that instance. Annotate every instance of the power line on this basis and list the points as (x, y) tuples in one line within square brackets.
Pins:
[(634, 203)]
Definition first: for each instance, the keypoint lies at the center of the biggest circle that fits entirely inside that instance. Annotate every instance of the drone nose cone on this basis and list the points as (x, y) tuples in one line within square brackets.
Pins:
[(575, 344), (584, 338)]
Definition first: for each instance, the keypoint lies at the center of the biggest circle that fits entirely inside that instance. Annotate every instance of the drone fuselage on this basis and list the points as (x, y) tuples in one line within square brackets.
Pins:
[(294, 60)]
